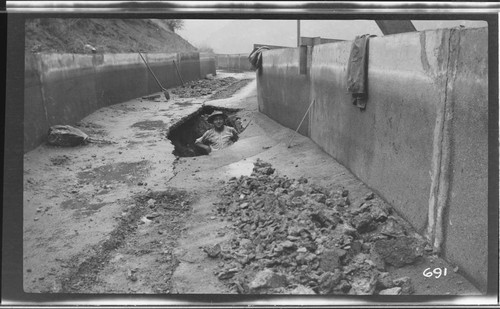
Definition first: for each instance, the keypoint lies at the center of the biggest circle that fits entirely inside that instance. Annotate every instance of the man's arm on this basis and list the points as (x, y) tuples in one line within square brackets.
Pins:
[(235, 136), (200, 142)]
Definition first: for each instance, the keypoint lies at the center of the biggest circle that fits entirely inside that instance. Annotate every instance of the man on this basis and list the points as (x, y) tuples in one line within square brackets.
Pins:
[(219, 137)]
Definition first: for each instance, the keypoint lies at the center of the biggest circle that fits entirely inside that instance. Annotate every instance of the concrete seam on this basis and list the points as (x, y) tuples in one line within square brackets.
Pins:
[(436, 159), (444, 180), (42, 91)]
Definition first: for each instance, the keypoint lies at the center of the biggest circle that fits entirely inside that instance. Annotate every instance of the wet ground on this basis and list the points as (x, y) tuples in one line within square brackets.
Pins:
[(127, 216)]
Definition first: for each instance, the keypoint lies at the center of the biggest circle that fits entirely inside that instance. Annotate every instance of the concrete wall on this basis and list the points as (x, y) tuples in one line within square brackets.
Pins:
[(64, 88), (207, 64), (233, 63), (424, 129), (284, 94)]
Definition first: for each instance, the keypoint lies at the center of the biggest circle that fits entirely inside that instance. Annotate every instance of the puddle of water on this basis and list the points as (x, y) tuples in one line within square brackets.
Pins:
[(240, 168)]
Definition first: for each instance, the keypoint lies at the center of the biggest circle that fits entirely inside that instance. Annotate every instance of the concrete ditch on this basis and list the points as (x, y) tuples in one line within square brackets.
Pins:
[(395, 144), (165, 254)]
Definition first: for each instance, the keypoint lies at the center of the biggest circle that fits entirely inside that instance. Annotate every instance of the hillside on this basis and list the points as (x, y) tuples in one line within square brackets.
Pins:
[(70, 35)]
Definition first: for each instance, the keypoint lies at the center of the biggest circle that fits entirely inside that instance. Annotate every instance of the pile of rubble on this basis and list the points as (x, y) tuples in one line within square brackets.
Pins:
[(293, 237), (203, 87)]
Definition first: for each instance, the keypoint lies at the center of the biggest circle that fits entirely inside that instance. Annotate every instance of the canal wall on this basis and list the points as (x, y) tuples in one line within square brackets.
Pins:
[(64, 88), (233, 62), (421, 142)]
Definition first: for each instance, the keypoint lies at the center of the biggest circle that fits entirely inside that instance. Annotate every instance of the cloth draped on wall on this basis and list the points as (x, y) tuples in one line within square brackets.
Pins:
[(255, 57), (357, 71)]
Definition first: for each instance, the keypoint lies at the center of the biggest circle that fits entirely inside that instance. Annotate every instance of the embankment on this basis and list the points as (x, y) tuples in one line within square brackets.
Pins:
[(64, 88), (421, 142)]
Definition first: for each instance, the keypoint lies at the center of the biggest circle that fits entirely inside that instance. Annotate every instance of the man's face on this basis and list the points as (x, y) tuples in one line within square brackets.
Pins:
[(218, 122)]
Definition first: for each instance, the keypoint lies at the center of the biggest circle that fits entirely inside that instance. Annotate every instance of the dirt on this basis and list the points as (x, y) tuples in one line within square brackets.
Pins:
[(130, 217), (220, 88), (70, 35)]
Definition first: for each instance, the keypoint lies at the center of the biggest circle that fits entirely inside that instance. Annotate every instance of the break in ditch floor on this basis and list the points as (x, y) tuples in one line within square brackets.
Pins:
[(184, 133)]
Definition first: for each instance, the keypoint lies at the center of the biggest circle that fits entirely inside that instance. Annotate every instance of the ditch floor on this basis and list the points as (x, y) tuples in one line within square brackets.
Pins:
[(136, 213)]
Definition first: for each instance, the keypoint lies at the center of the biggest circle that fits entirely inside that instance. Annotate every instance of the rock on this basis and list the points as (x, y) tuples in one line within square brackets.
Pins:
[(364, 223), (152, 215), (64, 135), (300, 289), (298, 193), (151, 202), (378, 213), (302, 250), (297, 201), (212, 251), (391, 291), (392, 228), (330, 259), (319, 197), (349, 230), (244, 205), (342, 287), (329, 280), (369, 196), (363, 286), (400, 251), (322, 220), (245, 243), (345, 193), (405, 284), (288, 244), (266, 279), (377, 260), (384, 281), (227, 274)]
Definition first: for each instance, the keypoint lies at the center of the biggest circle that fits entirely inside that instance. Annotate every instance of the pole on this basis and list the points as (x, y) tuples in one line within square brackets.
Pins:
[(293, 134), (178, 73), (150, 70), (298, 32)]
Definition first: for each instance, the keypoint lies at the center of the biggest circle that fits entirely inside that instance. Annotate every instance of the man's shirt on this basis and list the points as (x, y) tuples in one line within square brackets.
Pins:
[(218, 140)]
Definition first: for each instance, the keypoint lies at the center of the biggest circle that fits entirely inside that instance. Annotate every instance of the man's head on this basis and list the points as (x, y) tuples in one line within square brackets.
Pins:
[(218, 122), (217, 118)]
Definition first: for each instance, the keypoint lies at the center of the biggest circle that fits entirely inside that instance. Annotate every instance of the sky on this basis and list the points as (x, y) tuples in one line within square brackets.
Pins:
[(238, 36)]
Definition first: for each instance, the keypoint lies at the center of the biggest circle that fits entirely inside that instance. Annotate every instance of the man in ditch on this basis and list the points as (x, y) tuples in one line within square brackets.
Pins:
[(219, 137)]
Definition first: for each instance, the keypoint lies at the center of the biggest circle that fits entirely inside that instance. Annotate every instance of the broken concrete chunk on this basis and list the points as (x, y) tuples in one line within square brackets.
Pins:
[(363, 286), (391, 291), (300, 289), (364, 223), (212, 251), (66, 136), (227, 274), (329, 281), (152, 215), (378, 213), (266, 279), (393, 228), (369, 196), (398, 252), (405, 284), (377, 260), (288, 244), (330, 259)]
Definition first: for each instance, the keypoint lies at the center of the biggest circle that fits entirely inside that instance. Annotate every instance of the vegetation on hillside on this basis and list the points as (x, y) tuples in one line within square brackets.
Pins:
[(71, 35)]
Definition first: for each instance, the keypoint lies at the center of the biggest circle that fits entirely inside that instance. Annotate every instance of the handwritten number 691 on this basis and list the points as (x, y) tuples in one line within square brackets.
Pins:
[(437, 272)]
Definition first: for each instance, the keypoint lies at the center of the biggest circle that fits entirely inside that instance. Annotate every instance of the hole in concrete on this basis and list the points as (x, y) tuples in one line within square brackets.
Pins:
[(184, 133)]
